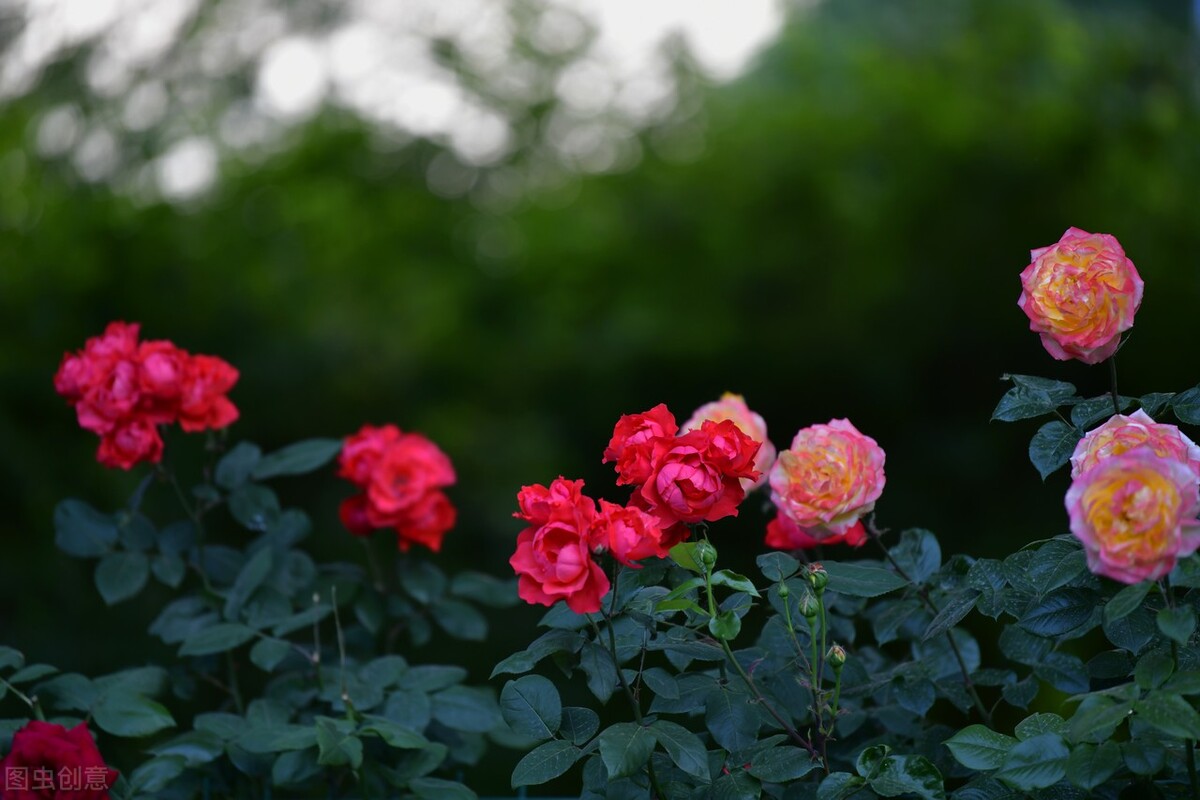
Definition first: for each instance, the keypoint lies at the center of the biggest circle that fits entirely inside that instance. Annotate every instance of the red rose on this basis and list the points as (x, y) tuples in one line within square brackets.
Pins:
[(784, 534), (111, 398), (402, 474), (362, 451), (162, 367), (697, 476), (632, 443), (407, 470), (49, 762), (426, 522), (553, 560), (132, 442), (202, 401), (629, 533)]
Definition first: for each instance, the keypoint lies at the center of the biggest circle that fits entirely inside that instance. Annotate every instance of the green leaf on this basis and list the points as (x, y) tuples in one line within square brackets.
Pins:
[(194, 747), (31, 673), (1087, 413), (1038, 724), (1089, 765), (275, 736), (1059, 612), (1177, 623), (839, 786), (128, 714), (980, 748), (294, 768), (625, 748), (1153, 669), (1154, 402), (777, 566), (1052, 446), (1170, 713), (10, 658), (1187, 682), (69, 692), (297, 459), (918, 554), (485, 589), (169, 569), (782, 764), (82, 531), (1096, 718), (904, 775), (156, 774), (957, 607), (1144, 756), (216, 639), (267, 653), (1186, 406), (579, 724), (596, 663), (735, 581), (337, 745), (1022, 402), (120, 576), (468, 709), (725, 626), (397, 736), (861, 581), (1126, 601), (432, 677), (684, 554), (460, 620), (255, 507), (248, 580), (684, 748), (1035, 763), (531, 707), (440, 789), (545, 763), (234, 467), (1186, 573), (731, 719)]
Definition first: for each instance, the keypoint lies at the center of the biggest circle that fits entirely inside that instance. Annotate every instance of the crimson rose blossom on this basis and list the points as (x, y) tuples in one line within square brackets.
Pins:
[(402, 475), (123, 389), (553, 560), (697, 476), (44, 753), (784, 534), (733, 407), (630, 534), (632, 444)]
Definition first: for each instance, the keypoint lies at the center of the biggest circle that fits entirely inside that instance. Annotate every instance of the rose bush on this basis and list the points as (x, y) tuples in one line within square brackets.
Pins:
[(853, 664)]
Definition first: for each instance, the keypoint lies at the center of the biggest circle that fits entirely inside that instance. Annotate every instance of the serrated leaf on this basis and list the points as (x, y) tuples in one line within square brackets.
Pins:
[(1038, 724), (1087, 413), (545, 763), (1186, 406), (1059, 612), (216, 639), (248, 580), (130, 715), (1126, 601), (579, 724), (1096, 719), (684, 748), (1177, 623), (1035, 763), (734, 581), (625, 749), (1169, 713), (337, 745), (120, 576), (531, 707), (782, 764), (1090, 765), (1021, 402), (1153, 669), (980, 748), (777, 566), (857, 580), (957, 607), (1052, 446)]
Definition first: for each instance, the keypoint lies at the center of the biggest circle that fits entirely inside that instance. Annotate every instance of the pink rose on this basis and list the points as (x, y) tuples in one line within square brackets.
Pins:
[(632, 443), (553, 560), (733, 407), (411, 467), (830, 476), (783, 534), (1135, 514), (629, 533), (697, 476), (1080, 294), (1122, 433), (162, 367)]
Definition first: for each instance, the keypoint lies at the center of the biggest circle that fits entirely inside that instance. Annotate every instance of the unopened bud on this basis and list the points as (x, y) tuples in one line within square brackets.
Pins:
[(836, 657), (818, 578), (809, 606), (706, 553), (784, 591)]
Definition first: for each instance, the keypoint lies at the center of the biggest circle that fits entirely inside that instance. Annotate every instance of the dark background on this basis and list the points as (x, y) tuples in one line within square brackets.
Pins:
[(846, 244)]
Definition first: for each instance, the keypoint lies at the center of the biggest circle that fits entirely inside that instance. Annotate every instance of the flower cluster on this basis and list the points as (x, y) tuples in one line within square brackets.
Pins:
[(823, 484), (401, 476), (679, 478), (1080, 294), (49, 761), (1135, 497), (123, 389)]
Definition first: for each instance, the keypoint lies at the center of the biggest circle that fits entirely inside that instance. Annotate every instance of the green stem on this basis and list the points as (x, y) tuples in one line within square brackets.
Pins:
[(234, 688), (373, 567), (195, 516), (1112, 374), (1191, 768), (32, 702), (837, 696), (762, 701)]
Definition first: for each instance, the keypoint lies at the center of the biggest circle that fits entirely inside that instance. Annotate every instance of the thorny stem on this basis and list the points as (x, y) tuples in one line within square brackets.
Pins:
[(923, 593), (194, 515), (32, 702)]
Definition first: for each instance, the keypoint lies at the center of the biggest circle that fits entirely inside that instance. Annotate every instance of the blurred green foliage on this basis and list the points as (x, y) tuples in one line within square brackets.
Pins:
[(847, 244)]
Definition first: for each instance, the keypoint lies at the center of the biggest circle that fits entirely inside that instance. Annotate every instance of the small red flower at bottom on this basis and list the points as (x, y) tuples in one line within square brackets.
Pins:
[(48, 762)]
